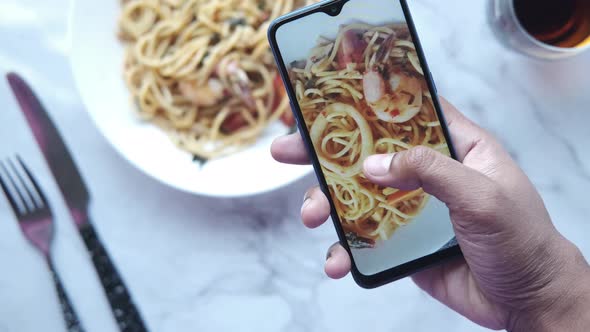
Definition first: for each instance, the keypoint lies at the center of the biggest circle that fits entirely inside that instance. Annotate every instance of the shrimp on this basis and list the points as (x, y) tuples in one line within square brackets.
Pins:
[(230, 72), (394, 96), (228, 79), (205, 95)]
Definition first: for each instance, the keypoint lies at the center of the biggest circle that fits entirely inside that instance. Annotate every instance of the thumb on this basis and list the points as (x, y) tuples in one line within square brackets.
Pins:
[(447, 179)]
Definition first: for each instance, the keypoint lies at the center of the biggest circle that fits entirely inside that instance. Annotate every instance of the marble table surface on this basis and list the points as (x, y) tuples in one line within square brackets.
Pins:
[(201, 264)]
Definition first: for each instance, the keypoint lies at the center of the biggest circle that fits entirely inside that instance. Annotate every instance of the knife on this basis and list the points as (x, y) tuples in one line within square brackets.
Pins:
[(77, 197)]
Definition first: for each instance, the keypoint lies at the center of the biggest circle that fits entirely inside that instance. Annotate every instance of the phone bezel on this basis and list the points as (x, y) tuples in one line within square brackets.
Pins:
[(400, 271)]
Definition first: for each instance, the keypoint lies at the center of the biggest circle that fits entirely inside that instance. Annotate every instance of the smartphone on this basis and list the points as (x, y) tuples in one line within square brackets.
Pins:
[(359, 85)]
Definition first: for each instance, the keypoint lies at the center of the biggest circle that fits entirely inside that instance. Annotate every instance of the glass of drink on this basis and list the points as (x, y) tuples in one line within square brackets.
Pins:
[(546, 29)]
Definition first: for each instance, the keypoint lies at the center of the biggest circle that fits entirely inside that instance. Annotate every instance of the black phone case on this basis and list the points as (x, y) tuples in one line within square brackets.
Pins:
[(450, 251)]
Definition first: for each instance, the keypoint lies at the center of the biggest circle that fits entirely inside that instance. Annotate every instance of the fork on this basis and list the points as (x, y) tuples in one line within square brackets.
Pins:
[(35, 219)]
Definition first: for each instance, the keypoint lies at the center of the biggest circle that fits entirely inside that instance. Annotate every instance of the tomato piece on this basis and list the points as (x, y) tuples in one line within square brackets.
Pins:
[(288, 119), (233, 123), (280, 93)]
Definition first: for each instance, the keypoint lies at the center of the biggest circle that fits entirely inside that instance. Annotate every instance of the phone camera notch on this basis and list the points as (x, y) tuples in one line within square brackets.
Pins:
[(335, 8)]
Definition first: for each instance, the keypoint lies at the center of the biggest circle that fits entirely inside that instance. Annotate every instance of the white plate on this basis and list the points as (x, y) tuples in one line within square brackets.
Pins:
[(97, 60)]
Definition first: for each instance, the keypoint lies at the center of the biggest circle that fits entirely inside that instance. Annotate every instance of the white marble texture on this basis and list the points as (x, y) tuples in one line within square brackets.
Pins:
[(202, 264)]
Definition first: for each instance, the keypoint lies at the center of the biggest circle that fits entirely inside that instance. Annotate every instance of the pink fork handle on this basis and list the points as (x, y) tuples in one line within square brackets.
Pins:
[(122, 306), (71, 318)]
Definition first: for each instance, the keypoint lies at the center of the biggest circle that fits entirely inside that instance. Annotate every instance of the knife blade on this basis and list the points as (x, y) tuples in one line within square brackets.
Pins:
[(77, 197), (54, 150)]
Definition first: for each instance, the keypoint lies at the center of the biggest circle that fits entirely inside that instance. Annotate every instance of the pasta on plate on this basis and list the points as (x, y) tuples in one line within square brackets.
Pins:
[(202, 70), (363, 93)]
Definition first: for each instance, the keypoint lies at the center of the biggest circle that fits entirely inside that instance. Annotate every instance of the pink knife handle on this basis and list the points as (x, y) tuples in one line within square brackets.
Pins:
[(122, 306)]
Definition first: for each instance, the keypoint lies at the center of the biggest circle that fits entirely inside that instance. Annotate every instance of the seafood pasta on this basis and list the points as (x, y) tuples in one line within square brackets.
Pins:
[(202, 70), (363, 93)]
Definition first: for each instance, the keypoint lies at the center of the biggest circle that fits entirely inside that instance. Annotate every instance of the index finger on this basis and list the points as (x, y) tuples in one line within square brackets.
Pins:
[(290, 149)]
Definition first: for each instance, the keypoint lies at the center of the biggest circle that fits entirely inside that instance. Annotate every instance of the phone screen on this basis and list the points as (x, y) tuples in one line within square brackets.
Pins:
[(360, 86)]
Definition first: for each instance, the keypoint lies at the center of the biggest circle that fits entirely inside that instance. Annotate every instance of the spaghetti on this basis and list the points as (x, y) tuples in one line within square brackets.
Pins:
[(202, 70), (364, 93)]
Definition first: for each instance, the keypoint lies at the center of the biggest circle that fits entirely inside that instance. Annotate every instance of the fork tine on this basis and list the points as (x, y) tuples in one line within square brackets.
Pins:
[(24, 187), (33, 181), (17, 209)]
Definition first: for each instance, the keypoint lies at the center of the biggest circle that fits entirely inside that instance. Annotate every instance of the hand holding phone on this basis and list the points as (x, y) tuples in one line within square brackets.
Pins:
[(515, 261), (359, 85), (514, 257)]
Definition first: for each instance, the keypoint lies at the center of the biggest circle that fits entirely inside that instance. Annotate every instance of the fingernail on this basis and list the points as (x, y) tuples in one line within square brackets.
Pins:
[(330, 251), (305, 197), (379, 165), (306, 201)]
